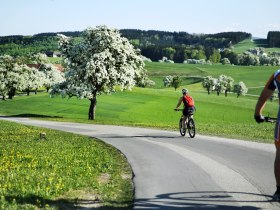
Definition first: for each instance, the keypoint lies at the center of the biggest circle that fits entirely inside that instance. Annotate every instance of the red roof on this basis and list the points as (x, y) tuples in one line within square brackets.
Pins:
[(59, 67), (37, 66)]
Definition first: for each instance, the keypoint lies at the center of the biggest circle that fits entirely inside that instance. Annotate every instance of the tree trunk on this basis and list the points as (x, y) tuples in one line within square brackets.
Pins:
[(12, 93), (28, 92), (226, 93), (36, 91), (91, 111)]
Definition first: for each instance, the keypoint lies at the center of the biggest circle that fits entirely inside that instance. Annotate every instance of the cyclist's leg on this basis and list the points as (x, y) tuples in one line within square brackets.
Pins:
[(185, 118), (277, 171), (277, 163), (277, 159)]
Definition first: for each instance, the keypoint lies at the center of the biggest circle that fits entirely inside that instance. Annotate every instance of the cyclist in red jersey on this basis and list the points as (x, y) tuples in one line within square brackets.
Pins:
[(272, 84), (188, 105)]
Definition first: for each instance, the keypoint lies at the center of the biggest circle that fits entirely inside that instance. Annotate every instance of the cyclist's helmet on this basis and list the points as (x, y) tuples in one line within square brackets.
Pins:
[(184, 91)]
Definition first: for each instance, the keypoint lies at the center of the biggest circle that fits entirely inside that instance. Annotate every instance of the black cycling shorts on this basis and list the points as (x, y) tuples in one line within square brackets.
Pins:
[(188, 110)]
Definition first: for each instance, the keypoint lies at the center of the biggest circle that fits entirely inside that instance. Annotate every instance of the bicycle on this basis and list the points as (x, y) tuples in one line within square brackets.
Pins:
[(190, 125)]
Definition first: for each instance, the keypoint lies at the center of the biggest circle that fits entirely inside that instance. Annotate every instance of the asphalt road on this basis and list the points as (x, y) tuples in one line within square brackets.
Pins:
[(174, 172)]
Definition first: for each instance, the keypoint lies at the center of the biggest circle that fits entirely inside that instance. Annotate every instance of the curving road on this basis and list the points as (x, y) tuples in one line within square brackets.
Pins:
[(174, 172)]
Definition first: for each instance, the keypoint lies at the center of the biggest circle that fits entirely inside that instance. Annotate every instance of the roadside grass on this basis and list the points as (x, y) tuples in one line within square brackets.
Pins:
[(62, 171)]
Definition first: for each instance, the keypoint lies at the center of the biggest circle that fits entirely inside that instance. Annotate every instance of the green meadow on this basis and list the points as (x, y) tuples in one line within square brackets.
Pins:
[(153, 107), (253, 76), (246, 44)]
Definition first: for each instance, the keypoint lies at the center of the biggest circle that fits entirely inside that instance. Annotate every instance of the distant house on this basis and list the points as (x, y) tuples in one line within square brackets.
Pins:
[(53, 54), (49, 54)]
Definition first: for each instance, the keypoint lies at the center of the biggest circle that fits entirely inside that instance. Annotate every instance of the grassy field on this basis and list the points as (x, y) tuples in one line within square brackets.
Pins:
[(61, 171), (253, 76), (248, 43), (244, 46), (216, 115)]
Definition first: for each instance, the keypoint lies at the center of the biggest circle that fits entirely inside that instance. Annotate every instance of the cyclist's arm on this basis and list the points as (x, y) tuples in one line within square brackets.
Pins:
[(265, 95), (179, 102)]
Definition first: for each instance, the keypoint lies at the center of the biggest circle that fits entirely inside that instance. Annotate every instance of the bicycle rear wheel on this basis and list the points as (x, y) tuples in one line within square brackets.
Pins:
[(181, 128), (191, 128)]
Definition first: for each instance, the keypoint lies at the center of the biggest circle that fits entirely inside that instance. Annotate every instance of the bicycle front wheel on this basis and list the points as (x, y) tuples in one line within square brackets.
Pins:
[(191, 128), (181, 128)]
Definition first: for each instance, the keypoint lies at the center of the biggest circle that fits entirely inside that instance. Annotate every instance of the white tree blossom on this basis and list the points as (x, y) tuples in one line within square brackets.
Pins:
[(97, 64), (225, 61), (51, 76), (225, 84), (11, 76), (39, 58), (209, 83), (167, 81), (240, 89), (34, 78)]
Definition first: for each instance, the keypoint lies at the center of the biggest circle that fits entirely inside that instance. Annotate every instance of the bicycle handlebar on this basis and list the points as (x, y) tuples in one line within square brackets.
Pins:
[(178, 110), (270, 119)]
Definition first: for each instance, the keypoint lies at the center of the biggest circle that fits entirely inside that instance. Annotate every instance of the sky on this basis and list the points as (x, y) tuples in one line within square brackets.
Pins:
[(29, 17)]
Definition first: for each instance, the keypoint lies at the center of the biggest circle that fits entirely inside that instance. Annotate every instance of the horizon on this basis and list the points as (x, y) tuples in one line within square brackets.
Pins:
[(30, 17), (50, 32)]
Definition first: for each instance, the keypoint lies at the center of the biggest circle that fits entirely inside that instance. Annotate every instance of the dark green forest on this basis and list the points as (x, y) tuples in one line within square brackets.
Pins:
[(273, 39), (175, 46)]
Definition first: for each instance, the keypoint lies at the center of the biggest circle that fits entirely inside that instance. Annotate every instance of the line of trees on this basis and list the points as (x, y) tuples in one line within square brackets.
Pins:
[(18, 76), (224, 84), (152, 43), (178, 47)]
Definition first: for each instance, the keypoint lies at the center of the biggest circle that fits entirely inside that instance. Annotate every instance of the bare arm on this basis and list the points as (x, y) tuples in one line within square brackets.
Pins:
[(265, 95), (179, 102)]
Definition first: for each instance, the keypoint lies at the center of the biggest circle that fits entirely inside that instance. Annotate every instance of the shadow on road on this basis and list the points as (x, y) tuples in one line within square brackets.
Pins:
[(208, 200), (31, 116), (65, 204), (154, 136)]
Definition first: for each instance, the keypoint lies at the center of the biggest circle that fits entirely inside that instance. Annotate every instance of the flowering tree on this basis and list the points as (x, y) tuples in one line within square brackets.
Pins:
[(209, 83), (225, 84), (176, 82), (167, 81), (34, 79), (11, 77), (52, 75), (172, 81), (97, 64), (225, 61), (240, 89), (38, 58)]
